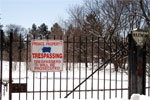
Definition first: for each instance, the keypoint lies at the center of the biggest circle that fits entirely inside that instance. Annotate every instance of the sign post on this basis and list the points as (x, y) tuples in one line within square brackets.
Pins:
[(137, 61), (47, 55)]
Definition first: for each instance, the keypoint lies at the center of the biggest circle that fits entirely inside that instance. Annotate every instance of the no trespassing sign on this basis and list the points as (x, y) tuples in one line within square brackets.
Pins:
[(47, 55)]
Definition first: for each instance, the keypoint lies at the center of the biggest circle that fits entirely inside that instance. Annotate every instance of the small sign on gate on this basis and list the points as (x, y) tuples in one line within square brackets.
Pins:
[(16, 87), (140, 36), (47, 55)]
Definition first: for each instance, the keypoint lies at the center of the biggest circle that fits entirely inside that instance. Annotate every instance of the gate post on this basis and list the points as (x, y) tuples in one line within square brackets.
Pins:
[(137, 62), (132, 63), (10, 65)]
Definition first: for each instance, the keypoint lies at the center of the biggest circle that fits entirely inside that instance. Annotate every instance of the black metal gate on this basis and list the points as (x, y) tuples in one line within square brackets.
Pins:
[(94, 67)]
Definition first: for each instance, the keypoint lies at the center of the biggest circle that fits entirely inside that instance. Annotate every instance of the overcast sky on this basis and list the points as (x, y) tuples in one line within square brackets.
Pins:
[(27, 12)]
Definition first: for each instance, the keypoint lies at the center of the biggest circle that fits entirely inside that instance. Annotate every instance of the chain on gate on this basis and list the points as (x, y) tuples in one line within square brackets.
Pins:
[(5, 87)]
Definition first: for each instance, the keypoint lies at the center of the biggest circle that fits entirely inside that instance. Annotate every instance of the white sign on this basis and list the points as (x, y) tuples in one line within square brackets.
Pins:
[(47, 55), (140, 37)]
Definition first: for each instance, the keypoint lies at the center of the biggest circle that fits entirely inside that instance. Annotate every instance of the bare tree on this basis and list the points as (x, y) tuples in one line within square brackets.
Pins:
[(110, 20), (19, 34)]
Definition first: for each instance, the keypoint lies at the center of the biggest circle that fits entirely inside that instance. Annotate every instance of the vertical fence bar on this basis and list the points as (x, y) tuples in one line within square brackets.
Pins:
[(122, 71), (73, 63), (60, 77), (19, 63), (33, 75), (67, 69), (53, 85), (116, 69), (124, 62), (47, 85), (92, 72), (47, 37), (40, 85), (86, 68), (149, 73), (10, 65), (104, 67), (80, 69), (1, 68), (54, 81), (124, 50), (110, 69), (40, 77), (27, 66), (98, 70)]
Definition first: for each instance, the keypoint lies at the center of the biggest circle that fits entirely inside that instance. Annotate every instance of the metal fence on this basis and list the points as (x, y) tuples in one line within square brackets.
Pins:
[(94, 67)]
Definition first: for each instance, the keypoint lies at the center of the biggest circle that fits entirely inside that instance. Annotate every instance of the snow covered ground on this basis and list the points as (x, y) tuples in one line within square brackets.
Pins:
[(15, 96), (139, 97)]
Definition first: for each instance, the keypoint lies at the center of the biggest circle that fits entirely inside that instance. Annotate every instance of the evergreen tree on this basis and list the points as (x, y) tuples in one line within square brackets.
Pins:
[(43, 30), (33, 31)]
